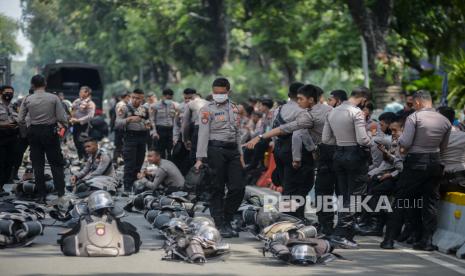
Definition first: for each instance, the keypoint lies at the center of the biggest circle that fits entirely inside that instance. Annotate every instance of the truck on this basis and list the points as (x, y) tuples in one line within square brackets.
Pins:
[(69, 77)]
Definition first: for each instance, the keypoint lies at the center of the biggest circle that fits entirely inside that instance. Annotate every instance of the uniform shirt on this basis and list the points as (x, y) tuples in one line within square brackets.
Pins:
[(177, 124), (163, 114), (265, 124), (245, 133), (219, 122), (119, 105), (425, 131), (394, 161), (124, 112), (319, 113), (453, 158), (83, 110), (376, 154), (97, 165), (289, 111), (191, 116), (346, 123), (167, 175), (312, 119), (301, 138), (8, 114), (43, 108)]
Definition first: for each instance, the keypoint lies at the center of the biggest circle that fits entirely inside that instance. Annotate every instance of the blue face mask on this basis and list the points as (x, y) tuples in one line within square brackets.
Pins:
[(167, 102)]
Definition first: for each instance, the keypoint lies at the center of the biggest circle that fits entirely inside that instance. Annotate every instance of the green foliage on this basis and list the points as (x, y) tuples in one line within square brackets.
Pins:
[(456, 70), (428, 81), (261, 45), (8, 29)]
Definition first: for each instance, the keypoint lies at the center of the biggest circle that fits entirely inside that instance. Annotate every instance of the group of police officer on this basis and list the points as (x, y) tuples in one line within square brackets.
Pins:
[(306, 134)]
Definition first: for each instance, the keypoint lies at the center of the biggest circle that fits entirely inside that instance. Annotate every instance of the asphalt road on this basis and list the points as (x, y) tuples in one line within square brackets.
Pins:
[(44, 257)]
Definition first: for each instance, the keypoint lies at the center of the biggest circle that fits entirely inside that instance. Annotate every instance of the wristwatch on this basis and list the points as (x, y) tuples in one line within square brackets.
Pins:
[(260, 136)]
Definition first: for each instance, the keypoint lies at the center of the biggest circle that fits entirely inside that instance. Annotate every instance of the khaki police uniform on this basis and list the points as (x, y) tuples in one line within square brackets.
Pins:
[(426, 134), (8, 140), (190, 123), (346, 124), (163, 119), (219, 143), (135, 140), (45, 110), (83, 110), (119, 133)]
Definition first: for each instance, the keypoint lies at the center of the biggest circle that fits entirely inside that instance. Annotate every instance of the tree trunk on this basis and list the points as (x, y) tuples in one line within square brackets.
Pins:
[(215, 10), (373, 23)]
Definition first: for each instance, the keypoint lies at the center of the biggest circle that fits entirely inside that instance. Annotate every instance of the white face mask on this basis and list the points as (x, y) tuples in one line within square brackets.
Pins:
[(168, 102), (220, 98)]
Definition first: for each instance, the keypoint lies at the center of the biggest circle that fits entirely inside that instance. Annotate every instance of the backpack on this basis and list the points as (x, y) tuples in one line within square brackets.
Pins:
[(199, 182), (100, 236)]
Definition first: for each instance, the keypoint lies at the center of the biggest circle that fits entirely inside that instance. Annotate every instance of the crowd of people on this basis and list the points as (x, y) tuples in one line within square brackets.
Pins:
[(331, 145)]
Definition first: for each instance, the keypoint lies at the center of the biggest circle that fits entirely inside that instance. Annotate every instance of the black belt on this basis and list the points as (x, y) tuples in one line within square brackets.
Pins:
[(43, 125), (222, 144), (432, 156), (136, 132), (424, 155), (347, 147), (164, 127)]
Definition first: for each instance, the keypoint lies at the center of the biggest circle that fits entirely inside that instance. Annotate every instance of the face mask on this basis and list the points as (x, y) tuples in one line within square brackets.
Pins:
[(168, 102), (220, 98), (7, 96)]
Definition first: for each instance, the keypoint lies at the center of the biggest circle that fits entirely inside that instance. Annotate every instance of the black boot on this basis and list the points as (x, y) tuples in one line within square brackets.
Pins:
[(41, 199), (406, 233), (415, 237), (226, 231), (342, 242), (387, 244), (425, 244), (373, 228), (325, 229)]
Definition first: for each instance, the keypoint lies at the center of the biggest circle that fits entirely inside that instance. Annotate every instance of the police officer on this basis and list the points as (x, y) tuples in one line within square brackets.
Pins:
[(282, 150), (82, 112), (188, 95), (190, 123), (8, 135), (453, 158), (98, 163), (167, 176), (426, 134), (162, 119), (325, 182), (219, 143), (265, 105), (133, 119), (313, 119), (346, 123), (45, 111), (119, 133), (181, 151)]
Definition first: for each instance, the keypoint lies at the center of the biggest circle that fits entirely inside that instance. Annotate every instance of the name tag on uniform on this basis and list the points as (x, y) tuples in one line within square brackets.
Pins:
[(220, 116)]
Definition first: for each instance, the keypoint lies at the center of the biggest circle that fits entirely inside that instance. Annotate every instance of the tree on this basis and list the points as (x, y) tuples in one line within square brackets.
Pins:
[(8, 29), (373, 18)]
